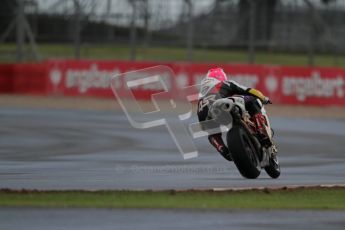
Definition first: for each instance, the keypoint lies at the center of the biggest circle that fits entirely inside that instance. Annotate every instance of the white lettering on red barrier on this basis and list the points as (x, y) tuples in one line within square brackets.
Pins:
[(181, 80), (291, 85), (315, 85), (271, 83), (55, 76), (89, 78)]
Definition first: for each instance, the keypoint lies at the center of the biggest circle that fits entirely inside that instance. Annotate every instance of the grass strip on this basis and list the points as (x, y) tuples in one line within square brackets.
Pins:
[(307, 198)]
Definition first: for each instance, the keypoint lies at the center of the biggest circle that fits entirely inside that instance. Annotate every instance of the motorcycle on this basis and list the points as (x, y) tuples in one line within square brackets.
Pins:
[(249, 151)]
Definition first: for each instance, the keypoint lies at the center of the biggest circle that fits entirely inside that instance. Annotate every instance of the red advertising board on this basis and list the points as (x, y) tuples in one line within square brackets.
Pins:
[(92, 78), (285, 85), (6, 84)]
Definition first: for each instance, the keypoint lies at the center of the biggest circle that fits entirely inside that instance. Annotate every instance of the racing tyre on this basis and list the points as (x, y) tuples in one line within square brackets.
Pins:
[(273, 169), (243, 152)]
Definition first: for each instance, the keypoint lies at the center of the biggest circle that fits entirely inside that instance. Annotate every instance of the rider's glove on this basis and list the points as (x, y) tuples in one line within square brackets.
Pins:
[(267, 101)]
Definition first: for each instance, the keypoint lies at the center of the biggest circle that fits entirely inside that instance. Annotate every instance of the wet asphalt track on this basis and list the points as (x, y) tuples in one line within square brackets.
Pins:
[(61, 149), (85, 219), (65, 149)]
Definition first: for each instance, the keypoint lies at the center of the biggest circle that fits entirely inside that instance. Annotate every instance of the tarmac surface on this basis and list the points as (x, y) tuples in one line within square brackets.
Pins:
[(83, 149), (37, 219)]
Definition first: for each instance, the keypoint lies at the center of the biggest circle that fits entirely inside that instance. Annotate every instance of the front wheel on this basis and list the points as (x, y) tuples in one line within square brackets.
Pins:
[(273, 169), (243, 152)]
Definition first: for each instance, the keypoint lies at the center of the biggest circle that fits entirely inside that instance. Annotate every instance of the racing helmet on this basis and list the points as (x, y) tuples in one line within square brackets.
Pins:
[(217, 73)]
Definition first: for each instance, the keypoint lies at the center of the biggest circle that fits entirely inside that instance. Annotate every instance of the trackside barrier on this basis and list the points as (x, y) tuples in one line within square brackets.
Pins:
[(285, 85), (6, 78)]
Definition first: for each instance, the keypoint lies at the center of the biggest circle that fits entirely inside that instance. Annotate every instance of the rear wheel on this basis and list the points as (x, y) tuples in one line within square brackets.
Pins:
[(243, 152)]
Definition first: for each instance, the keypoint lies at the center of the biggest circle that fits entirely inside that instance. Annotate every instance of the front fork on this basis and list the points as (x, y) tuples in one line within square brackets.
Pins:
[(261, 125), (266, 128), (263, 129)]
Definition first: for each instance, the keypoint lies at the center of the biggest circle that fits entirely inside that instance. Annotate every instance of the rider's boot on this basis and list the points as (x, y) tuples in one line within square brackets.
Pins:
[(217, 141)]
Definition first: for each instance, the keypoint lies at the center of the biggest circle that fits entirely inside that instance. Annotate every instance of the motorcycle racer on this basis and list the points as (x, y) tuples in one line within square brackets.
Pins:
[(216, 86)]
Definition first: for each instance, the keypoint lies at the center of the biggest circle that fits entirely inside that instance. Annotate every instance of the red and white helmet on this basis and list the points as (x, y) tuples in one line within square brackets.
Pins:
[(217, 73)]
